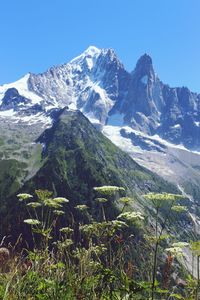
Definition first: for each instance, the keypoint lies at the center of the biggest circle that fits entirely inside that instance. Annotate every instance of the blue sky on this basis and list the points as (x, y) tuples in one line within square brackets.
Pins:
[(36, 34)]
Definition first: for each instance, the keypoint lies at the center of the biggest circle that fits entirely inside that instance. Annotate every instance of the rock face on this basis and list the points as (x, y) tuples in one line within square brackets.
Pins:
[(180, 119), (92, 82), (154, 108), (13, 100), (97, 83), (144, 100)]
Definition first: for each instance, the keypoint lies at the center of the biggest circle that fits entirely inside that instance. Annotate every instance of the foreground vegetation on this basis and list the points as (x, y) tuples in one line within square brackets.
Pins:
[(93, 253)]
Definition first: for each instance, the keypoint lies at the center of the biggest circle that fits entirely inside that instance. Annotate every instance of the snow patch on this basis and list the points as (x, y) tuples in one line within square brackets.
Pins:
[(11, 115), (7, 113), (113, 133), (22, 86), (176, 126), (89, 55), (72, 106), (197, 124), (92, 50), (92, 118), (90, 63)]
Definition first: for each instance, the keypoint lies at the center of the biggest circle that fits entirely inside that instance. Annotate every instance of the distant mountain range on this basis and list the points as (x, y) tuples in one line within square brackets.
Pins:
[(97, 83), (158, 126)]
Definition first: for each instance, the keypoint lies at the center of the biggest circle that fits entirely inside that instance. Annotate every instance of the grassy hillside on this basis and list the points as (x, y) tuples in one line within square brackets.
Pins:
[(76, 157), (99, 254)]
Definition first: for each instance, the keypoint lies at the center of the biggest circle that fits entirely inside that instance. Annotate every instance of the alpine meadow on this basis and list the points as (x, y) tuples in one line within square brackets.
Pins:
[(99, 160)]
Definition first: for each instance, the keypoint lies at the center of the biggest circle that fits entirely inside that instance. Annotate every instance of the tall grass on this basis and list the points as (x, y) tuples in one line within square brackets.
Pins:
[(105, 258)]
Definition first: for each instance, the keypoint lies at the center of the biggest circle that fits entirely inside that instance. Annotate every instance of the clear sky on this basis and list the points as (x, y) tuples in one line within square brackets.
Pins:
[(37, 34)]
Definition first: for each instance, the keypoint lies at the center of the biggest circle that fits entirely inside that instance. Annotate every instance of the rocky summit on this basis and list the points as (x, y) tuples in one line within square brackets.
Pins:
[(97, 83), (159, 126)]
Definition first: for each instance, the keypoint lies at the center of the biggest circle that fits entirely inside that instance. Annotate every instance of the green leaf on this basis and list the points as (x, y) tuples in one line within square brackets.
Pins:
[(195, 247), (164, 237), (161, 291), (177, 296)]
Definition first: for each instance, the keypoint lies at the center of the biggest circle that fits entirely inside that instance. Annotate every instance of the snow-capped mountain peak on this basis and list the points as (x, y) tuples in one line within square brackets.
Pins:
[(97, 83), (91, 51), (22, 87), (157, 125), (91, 82), (89, 57)]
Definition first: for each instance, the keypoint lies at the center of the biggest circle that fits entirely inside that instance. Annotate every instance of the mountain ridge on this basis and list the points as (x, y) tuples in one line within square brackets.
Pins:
[(97, 83), (76, 157), (157, 125)]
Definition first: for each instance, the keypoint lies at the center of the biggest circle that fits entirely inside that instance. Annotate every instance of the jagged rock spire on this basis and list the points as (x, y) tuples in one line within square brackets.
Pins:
[(144, 67)]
